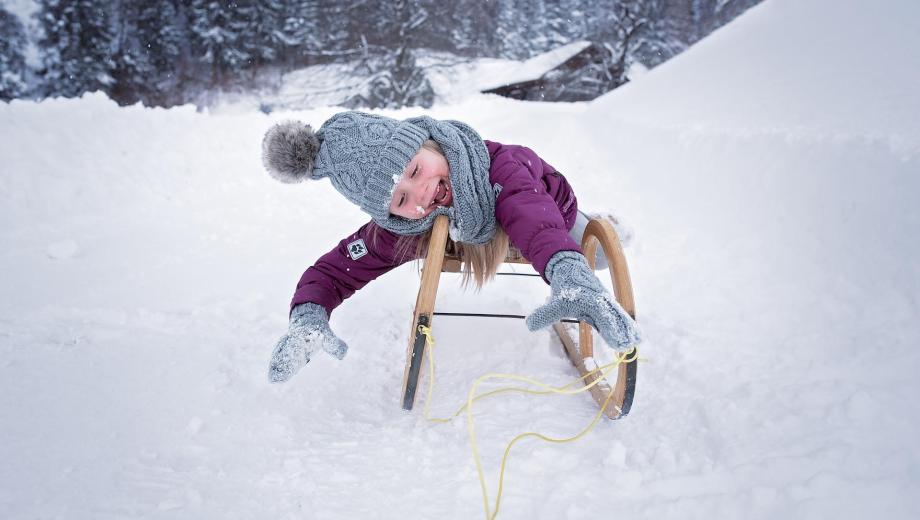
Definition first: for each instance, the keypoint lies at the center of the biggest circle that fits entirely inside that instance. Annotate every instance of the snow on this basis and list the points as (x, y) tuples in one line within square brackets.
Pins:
[(768, 174), (25, 10), (62, 250), (570, 293), (453, 80), (487, 73)]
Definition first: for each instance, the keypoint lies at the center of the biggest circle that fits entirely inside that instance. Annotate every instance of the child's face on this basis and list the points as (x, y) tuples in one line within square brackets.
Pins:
[(425, 185)]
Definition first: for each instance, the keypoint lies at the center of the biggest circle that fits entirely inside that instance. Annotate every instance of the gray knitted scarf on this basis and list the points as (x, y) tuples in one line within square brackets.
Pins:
[(472, 214)]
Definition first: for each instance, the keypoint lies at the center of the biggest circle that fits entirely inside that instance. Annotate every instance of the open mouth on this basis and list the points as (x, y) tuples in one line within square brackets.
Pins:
[(441, 194)]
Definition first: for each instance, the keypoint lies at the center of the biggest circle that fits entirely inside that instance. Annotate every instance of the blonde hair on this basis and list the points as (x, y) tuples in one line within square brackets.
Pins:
[(479, 263), (433, 146)]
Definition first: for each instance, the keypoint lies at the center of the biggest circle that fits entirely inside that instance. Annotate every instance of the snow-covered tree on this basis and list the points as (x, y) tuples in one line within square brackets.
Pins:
[(163, 38), (639, 30), (264, 40), (519, 34), (12, 61), (149, 51), (314, 32), (694, 19), (77, 41), (244, 49), (569, 20), (168, 51), (462, 27), (297, 30), (216, 39), (622, 32), (395, 78)]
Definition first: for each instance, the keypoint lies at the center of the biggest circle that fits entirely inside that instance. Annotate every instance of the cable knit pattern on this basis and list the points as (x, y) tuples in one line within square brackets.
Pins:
[(364, 155), (472, 215), (308, 328), (578, 294)]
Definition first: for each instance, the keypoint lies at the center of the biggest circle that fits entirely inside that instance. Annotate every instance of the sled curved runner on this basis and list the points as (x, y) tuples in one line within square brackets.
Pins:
[(580, 350)]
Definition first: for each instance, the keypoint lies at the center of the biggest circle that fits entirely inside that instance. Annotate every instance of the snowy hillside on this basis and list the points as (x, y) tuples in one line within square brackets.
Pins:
[(769, 173)]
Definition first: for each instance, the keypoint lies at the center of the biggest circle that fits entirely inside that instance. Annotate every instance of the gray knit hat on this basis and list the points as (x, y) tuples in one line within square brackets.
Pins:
[(364, 155)]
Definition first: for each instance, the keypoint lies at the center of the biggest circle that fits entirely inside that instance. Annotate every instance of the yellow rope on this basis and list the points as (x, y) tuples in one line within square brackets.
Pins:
[(625, 357)]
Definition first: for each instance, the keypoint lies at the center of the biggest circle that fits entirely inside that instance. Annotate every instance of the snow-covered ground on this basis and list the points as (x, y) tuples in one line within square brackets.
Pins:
[(770, 174)]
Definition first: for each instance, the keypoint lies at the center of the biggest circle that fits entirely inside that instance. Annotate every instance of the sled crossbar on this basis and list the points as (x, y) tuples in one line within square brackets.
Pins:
[(485, 315), (613, 393)]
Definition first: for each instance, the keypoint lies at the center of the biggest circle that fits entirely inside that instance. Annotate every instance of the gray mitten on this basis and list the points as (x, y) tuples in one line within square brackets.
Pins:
[(577, 293), (308, 329)]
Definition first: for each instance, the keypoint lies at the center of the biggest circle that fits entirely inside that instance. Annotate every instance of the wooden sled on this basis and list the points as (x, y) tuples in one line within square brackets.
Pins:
[(580, 351)]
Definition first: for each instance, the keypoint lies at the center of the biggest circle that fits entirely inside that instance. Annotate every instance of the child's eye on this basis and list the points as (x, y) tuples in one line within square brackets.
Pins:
[(414, 172), (402, 199)]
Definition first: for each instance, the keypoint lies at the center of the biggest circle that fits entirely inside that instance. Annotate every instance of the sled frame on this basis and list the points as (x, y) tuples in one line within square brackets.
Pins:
[(579, 349)]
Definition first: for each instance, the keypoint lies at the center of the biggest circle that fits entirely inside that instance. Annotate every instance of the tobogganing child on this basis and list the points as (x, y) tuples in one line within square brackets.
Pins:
[(406, 173)]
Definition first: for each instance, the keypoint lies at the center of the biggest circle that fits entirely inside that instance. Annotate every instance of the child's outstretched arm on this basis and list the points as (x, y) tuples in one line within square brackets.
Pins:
[(358, 259), (352, 264)]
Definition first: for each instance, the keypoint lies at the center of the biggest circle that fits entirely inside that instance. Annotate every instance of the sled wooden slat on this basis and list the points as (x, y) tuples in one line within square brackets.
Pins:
[(601, 232), (424, 308), (442, 257)]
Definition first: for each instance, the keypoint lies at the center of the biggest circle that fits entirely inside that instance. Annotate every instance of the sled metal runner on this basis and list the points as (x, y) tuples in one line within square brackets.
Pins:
[(579, 347)]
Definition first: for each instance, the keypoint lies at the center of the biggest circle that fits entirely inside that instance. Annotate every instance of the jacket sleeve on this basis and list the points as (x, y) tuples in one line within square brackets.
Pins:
[(355, 261), (527, 212)]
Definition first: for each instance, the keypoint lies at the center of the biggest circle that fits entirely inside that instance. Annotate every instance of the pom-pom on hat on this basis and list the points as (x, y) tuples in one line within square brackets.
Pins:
[(288, 151)]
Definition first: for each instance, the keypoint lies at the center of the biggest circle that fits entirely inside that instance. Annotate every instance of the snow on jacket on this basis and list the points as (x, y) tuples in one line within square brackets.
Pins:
[(536, 207)]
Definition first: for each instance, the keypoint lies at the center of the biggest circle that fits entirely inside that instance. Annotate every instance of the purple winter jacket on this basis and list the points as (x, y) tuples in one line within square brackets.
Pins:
[(536, 207)]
